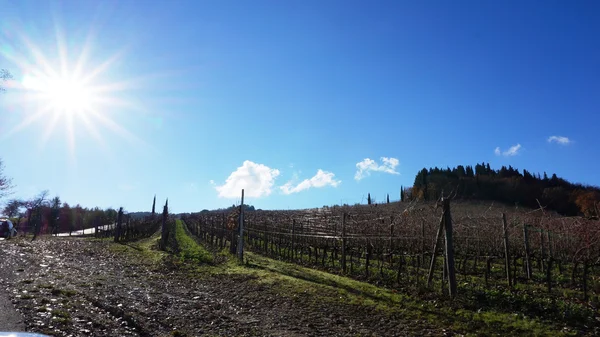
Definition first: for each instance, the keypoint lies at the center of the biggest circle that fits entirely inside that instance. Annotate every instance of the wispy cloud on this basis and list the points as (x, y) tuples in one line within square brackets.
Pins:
[(127, 187), (256, 180), (512, 151), (321, 179), (365, 167), (559, 140)]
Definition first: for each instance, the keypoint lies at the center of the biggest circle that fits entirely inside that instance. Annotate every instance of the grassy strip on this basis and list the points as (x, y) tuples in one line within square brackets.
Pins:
[(187, 248), (291, 280)]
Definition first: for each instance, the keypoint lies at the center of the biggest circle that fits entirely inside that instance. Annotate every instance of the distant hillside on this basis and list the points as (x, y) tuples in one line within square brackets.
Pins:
[(510, 186), (139, 215), (247, 208)]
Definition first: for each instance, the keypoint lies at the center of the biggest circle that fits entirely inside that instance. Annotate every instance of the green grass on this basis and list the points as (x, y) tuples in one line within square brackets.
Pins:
[(291, 280), (187, 249), (63, 292)]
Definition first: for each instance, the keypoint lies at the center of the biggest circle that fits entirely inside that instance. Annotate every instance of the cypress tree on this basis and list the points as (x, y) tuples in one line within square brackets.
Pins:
[(388, 198), (369, 199), (154, 206)]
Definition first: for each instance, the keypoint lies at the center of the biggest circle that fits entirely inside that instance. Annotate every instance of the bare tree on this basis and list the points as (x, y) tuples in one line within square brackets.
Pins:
[(4, 76), (13, 209), (34, 207), (6, 185), (54, 214)]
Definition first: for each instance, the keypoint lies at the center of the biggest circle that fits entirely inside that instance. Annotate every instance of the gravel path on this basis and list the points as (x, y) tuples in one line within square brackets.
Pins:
[(10, 318)]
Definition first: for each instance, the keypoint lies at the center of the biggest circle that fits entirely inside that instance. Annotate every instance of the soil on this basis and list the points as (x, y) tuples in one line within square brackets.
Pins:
[(79, 287)]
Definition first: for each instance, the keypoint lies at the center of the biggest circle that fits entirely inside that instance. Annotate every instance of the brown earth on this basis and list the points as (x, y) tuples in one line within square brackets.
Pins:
[(80, 287)]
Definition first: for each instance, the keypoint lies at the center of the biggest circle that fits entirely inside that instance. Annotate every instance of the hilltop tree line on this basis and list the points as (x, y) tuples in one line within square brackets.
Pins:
[(508, 185), (43, 215)]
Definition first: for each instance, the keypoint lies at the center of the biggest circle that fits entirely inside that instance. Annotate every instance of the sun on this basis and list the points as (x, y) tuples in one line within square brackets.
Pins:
[(69, 96), (62, 95)]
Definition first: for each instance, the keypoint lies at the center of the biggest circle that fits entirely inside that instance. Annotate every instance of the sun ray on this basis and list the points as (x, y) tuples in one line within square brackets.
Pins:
[(101, 68), (136, 82), (116, 128), (27, 121), (91, 128), (83, 55), (62, 49), (40, 58), (49, 129), (71, 137)]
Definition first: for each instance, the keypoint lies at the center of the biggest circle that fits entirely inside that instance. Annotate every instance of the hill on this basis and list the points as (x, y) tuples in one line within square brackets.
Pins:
[(508, 185)]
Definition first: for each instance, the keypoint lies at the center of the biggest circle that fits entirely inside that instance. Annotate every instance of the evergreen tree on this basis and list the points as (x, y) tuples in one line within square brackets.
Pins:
[(401, 193), (369, 199), (154, 206), (510, 186), (388, 198), (469, 172)]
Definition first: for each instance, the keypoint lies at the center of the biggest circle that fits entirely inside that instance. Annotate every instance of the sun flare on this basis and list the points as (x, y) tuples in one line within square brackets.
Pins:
[(68, 92), (62, 95)]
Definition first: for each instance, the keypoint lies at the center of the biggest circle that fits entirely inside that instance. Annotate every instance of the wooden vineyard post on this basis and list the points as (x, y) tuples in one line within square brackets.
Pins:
[(543, 250), (550, 261), (550, 241), (165, 231), (435, 249), (391, 240), (305, 242), (368, 258), (240, 247), (344, 242), (119, 219), (222, 232), (232, 239), (334, 254), (527, 259), (549, 275), (422, 242), (506, 246), (265, 240), (293, 255), (585, 277), (449, 249), (488, 263)]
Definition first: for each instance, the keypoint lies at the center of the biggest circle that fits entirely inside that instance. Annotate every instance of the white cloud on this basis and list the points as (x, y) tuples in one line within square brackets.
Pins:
[(559, 140), (365, 167), (256, 180), (321, 179), (127, 187), (512, 151)]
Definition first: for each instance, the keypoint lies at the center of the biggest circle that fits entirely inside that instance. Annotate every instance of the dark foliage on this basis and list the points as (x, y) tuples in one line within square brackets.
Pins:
[(508, 185)]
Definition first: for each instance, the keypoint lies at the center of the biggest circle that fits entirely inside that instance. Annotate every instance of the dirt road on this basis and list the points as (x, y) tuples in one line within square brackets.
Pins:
[(68, 286), (10, 318)]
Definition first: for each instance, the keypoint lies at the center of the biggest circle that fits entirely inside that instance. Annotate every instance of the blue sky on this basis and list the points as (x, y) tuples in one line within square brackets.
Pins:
[(113, 102)]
